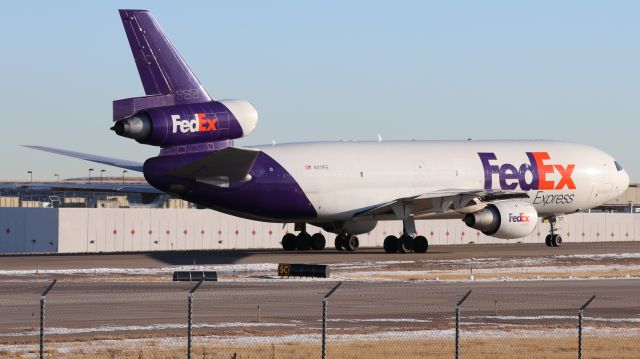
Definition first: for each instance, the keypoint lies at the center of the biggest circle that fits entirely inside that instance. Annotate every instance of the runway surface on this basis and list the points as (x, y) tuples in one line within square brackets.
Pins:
[(327, 256)]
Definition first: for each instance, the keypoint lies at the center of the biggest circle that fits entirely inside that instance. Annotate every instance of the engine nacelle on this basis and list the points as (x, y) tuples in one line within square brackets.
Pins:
[(504, 219), (190, 123)]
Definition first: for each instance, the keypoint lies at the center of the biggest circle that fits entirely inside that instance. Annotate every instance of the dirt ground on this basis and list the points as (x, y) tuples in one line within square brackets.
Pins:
[(512, 348)]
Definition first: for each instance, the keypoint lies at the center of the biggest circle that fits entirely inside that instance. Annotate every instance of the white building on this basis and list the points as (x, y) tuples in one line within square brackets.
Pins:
[(90, 230)]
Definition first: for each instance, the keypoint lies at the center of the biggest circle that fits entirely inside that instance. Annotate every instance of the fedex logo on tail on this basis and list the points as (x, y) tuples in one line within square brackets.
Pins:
[(199, 122), (539, 167)]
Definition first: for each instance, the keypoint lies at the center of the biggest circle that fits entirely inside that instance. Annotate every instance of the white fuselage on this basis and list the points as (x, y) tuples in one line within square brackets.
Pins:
[(343, 178)]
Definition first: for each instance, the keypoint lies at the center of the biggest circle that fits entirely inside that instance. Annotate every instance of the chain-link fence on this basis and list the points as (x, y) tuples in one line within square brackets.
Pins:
[(312, 319)]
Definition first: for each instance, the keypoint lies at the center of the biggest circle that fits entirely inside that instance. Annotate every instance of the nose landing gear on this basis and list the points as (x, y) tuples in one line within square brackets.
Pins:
[(553, 239)]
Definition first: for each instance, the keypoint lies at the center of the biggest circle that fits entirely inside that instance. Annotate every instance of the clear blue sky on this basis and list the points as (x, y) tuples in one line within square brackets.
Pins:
[(328, 70)]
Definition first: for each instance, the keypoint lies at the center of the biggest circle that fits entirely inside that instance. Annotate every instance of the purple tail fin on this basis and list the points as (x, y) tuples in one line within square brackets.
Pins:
[(161, 68)]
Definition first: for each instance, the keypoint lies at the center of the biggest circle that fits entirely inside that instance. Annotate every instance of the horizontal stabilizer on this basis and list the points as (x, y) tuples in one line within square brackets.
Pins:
[(130, 165)]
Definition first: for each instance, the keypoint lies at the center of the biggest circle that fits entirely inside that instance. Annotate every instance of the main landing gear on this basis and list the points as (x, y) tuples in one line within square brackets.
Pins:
[(346, 242), (553, 239), (408, 241), (406, 244), (303, 241)]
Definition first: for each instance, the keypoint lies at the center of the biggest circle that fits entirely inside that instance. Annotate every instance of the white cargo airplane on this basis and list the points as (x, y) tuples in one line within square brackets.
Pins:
[(501, 188)]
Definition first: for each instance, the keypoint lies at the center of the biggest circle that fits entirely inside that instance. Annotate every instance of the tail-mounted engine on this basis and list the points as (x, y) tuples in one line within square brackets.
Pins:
[(189, 123), (504, 219)]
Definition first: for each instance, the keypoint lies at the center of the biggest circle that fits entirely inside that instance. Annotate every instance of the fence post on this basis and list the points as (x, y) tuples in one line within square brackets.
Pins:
[(190, 317), (43, 298), (324, 320), (580, 313), (458, 323)]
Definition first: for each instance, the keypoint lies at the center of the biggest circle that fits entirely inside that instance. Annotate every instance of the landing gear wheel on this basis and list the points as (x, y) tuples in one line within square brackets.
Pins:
[(289, 242), (340, 242), (318, 242), (303, 241), (391, 244), (556, 240), (553, 239), (351, 243), (420, 244), (406, 244), (547, 240)]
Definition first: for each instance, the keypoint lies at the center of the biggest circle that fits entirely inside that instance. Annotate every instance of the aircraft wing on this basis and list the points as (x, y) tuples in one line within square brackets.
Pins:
[(439, 202), (130, 165), (142, 188)]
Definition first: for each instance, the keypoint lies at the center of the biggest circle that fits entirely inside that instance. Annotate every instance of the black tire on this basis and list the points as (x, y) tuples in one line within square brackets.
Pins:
[(340, 242), (289, 242), (351, 243), (556, 240), (303, 241), (547, 240), (391, 244), (420, 244), (318, 242), (406, 244)]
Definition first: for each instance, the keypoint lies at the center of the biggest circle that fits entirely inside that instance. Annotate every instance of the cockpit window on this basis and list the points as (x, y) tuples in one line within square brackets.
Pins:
[(618, 165)]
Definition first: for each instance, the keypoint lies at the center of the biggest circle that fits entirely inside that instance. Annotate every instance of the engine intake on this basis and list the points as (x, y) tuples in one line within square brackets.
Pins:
[(504, 219)]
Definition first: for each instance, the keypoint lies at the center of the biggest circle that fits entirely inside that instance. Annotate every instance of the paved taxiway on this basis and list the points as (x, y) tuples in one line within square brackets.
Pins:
[(328, 256)]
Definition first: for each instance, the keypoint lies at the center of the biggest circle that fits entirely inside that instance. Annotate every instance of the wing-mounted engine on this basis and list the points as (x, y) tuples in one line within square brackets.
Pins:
[(189, 123), (504, 219)]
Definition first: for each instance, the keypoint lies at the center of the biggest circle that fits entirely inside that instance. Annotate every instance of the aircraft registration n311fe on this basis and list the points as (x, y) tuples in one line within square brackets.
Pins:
[(502, 188)]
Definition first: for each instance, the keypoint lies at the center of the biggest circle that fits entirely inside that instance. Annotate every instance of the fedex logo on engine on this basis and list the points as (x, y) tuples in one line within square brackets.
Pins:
[(199, 122), (535, 175), (520, 217)]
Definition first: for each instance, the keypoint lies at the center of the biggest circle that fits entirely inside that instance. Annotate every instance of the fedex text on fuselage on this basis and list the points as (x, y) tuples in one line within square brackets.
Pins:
[(540, 165)]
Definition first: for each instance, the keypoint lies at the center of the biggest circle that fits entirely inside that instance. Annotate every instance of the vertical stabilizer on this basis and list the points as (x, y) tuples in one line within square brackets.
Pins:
[(162, 70)]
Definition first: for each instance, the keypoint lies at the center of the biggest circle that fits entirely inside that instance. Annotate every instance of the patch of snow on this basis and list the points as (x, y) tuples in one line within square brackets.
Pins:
[(120, 328)]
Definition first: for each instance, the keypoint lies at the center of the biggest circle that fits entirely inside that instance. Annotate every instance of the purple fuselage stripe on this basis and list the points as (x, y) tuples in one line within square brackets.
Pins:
[(272, 194)]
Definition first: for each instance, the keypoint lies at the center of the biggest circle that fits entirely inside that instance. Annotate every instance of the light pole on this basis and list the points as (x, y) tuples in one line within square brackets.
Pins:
[(90, 170), (123, 172), (101, 172), (30, 176), (57, 176)]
